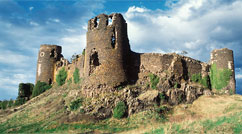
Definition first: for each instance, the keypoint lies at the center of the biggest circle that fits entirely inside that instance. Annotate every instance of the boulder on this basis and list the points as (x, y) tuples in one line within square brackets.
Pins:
[(149, 96)]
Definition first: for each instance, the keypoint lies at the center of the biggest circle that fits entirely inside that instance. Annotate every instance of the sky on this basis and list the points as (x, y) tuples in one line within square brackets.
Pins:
[(161, 26)]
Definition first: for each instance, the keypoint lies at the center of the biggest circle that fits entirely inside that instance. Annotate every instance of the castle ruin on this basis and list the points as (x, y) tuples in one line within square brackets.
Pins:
[(109, 62)]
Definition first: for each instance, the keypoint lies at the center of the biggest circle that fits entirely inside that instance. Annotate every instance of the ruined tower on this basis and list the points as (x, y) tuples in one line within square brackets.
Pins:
[(222, 69), (107, 49), (48, 55)]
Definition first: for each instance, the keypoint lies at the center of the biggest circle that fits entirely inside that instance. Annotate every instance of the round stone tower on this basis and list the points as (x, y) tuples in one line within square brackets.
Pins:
[(48, 55), (106, 51), (222, 65)]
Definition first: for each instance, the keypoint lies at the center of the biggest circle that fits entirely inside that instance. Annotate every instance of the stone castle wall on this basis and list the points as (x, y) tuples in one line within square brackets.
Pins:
[(47, 58), (224, 59), (108, 60)]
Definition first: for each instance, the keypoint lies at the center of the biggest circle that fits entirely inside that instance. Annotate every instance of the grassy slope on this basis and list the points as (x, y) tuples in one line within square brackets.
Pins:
[(47, 113), (215, 114)]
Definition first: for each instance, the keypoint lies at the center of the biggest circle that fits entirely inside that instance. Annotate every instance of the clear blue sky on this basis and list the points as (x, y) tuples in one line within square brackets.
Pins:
[(196, 26)]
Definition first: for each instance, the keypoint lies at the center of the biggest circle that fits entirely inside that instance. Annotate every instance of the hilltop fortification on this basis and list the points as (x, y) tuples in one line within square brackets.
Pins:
[(108, 63)]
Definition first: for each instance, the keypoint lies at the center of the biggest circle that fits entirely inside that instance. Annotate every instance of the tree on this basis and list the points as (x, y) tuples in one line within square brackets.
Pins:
[(25, 90), (39, 88)]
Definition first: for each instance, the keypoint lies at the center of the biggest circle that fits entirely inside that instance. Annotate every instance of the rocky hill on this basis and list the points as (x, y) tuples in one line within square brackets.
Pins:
[(53, 112)]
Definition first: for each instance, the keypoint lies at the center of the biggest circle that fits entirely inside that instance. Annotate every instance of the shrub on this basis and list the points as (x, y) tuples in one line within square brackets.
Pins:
[(154, 80), (39, 88), (219, 77), (76, 104), (76, 76), (19, 101), (205, 81), (162, 97), (197, 78), (25, 90), (10, 103), (4, 104), (83, 51), (61, 77), (119, 110)]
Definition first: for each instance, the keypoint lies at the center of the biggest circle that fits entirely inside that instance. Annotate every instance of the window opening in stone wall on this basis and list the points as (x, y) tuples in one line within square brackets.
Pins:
[(94, 61), (113, 40), (52, 53), (97, 22), (110, 21)]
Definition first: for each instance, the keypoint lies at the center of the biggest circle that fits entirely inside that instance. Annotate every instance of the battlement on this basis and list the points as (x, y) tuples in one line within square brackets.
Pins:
[(103, 21)]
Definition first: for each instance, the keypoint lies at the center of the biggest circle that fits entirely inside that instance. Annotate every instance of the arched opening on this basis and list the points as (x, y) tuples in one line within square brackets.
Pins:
[(94, 61)]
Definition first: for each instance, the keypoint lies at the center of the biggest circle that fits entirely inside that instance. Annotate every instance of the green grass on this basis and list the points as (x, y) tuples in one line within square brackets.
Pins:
[(231, 123), (157, 131), (41, 127)]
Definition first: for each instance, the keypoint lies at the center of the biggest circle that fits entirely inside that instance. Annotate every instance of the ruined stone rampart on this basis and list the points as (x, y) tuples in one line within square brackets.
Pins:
[(109, 62), (105, 53)]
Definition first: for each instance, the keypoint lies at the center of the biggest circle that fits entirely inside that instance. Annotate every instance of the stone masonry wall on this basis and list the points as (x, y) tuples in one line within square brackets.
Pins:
[(109, 62), (105, 53), (224, 59), (47, 57)]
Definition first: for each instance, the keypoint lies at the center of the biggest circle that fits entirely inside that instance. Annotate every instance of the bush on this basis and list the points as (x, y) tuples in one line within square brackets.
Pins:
[(119, 110), (25, 90), (76, 76), (205, 81), (197, 78), (39, 88), (19, 101), (61, 77), (76, 104), (154, 80), (10, 103), (83, 51), (4, 104)]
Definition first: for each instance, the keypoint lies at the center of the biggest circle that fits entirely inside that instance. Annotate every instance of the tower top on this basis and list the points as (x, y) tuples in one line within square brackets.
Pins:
[(102, 21)]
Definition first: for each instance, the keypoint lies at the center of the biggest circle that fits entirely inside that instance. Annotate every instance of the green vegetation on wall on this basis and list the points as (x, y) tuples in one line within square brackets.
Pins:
[(119, 110), (219, 77), (154, 80), (76, 76), (61, 77), (202, 80), (39, 88)]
